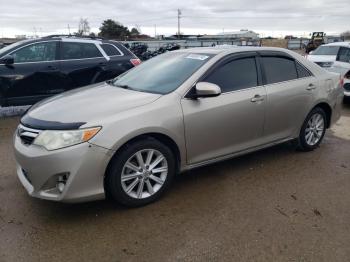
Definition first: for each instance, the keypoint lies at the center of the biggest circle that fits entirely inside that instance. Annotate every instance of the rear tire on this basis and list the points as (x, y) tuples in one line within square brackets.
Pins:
[(313, 130), (140, 173)]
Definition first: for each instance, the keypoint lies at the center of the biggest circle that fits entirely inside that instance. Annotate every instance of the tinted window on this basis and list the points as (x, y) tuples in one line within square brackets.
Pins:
[(235, 75), (162, 74), (326, 50), (5, 49), (72, 50), (279, 69), (110, 50), (344, 55), (302, 71), (36, 53)]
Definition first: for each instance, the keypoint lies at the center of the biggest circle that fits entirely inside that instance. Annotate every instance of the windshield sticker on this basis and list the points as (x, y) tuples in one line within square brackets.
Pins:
[(196, 56)]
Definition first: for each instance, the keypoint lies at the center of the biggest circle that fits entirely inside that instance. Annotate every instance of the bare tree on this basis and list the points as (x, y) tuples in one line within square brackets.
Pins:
[(84, 27)]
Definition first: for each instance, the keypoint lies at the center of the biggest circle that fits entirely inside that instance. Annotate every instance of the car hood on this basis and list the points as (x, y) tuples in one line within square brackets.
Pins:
[(322, 58), (91, 103)]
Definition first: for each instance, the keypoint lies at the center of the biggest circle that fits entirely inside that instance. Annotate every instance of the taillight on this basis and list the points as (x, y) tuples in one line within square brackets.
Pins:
[(135, 61)]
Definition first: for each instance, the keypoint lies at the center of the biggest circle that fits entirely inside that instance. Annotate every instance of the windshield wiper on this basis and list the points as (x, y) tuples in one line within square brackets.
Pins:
[(110, 82), (124, 86)]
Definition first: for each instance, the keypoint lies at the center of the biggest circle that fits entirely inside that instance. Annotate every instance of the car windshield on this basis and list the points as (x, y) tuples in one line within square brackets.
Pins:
[(326, 50), (162, 74), (9, 47)]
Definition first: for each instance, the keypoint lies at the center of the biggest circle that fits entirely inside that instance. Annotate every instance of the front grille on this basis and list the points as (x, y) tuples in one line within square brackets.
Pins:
[(319, 63), (27, 135), (324, 64)]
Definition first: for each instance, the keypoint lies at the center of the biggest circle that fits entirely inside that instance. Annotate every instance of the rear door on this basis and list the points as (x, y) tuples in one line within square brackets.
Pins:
[(290, 91), (119, 61), (34, 74), (232, 121), (81, 64)]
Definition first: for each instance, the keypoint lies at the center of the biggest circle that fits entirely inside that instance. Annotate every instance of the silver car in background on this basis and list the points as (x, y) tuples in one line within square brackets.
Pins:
[(126, 139)]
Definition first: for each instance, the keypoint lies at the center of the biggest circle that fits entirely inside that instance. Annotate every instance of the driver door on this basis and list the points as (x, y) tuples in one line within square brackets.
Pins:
[(33, 76), (232, 121)]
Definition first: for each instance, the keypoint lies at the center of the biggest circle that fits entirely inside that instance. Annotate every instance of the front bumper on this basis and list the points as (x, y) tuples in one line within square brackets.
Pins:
[(83, 165)]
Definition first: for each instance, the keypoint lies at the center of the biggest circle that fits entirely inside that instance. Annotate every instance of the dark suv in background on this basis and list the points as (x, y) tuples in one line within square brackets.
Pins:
[(31, 70)]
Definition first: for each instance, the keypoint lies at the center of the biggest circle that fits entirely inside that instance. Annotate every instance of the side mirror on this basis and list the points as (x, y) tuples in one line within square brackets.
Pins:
[(205, 89), (7, 60), (310, 53)]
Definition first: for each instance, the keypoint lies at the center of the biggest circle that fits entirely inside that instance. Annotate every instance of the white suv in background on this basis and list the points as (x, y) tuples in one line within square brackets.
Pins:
[(334, 57), (325, 55), (342, 66)]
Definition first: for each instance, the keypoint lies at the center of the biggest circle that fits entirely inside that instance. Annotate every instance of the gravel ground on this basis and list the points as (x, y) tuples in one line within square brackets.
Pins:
[(273, 205), (12, 111)]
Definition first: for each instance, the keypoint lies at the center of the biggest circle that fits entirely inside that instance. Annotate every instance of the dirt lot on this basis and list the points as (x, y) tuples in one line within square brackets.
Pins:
[(274, 205)]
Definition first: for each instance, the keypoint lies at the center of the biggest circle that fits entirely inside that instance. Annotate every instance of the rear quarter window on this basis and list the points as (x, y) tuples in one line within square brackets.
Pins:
[(302, 71), (111, 50)]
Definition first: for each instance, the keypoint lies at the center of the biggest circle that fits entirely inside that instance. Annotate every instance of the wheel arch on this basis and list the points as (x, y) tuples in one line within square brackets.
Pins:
[(165, 139), (327, 109)]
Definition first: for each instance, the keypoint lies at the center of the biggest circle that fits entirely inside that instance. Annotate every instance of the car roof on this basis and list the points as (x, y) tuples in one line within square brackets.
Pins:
[(68, 39), (230, 49), (346, 44)]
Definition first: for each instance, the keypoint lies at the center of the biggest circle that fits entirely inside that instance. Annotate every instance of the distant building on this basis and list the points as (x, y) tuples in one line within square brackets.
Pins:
[(8, 41), (241, 34)]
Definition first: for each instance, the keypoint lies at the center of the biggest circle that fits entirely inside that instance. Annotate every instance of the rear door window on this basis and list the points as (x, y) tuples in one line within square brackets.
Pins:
[(235, 75), (279, 69), (110, 50), (74, 50)]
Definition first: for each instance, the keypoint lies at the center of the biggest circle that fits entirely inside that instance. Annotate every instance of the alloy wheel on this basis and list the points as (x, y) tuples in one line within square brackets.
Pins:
[(144, 173), (314, 129)]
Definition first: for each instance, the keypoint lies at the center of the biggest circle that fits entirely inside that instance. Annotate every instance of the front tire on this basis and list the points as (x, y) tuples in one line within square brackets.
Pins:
[(313, 130), (140, 173)]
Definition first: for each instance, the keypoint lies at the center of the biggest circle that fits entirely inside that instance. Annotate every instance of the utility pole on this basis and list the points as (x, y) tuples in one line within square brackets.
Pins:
[(155, 31), (178, 23), (68, 29)]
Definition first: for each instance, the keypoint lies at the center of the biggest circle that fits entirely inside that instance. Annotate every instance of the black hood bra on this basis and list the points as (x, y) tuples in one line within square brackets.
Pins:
[(48, 125)]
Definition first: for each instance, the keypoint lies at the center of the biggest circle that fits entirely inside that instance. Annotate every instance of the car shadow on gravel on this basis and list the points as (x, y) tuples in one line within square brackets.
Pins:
[(235, 168)]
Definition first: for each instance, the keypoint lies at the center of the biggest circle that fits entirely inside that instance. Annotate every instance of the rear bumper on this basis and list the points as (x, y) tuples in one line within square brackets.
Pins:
[(83, 165)]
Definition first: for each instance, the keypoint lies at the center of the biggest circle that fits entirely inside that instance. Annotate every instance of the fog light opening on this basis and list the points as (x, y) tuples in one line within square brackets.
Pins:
[(61, 182)]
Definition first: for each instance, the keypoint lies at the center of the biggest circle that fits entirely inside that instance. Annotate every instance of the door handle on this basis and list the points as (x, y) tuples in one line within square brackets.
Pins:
[(52, 68), (311, 87), (257, 98)]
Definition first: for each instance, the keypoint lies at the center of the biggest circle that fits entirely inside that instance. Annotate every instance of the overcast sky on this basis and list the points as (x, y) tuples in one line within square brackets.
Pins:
[(268, 17)]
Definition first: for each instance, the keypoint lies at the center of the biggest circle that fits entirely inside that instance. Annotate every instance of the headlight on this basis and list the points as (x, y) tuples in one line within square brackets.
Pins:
[(56, 139)]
